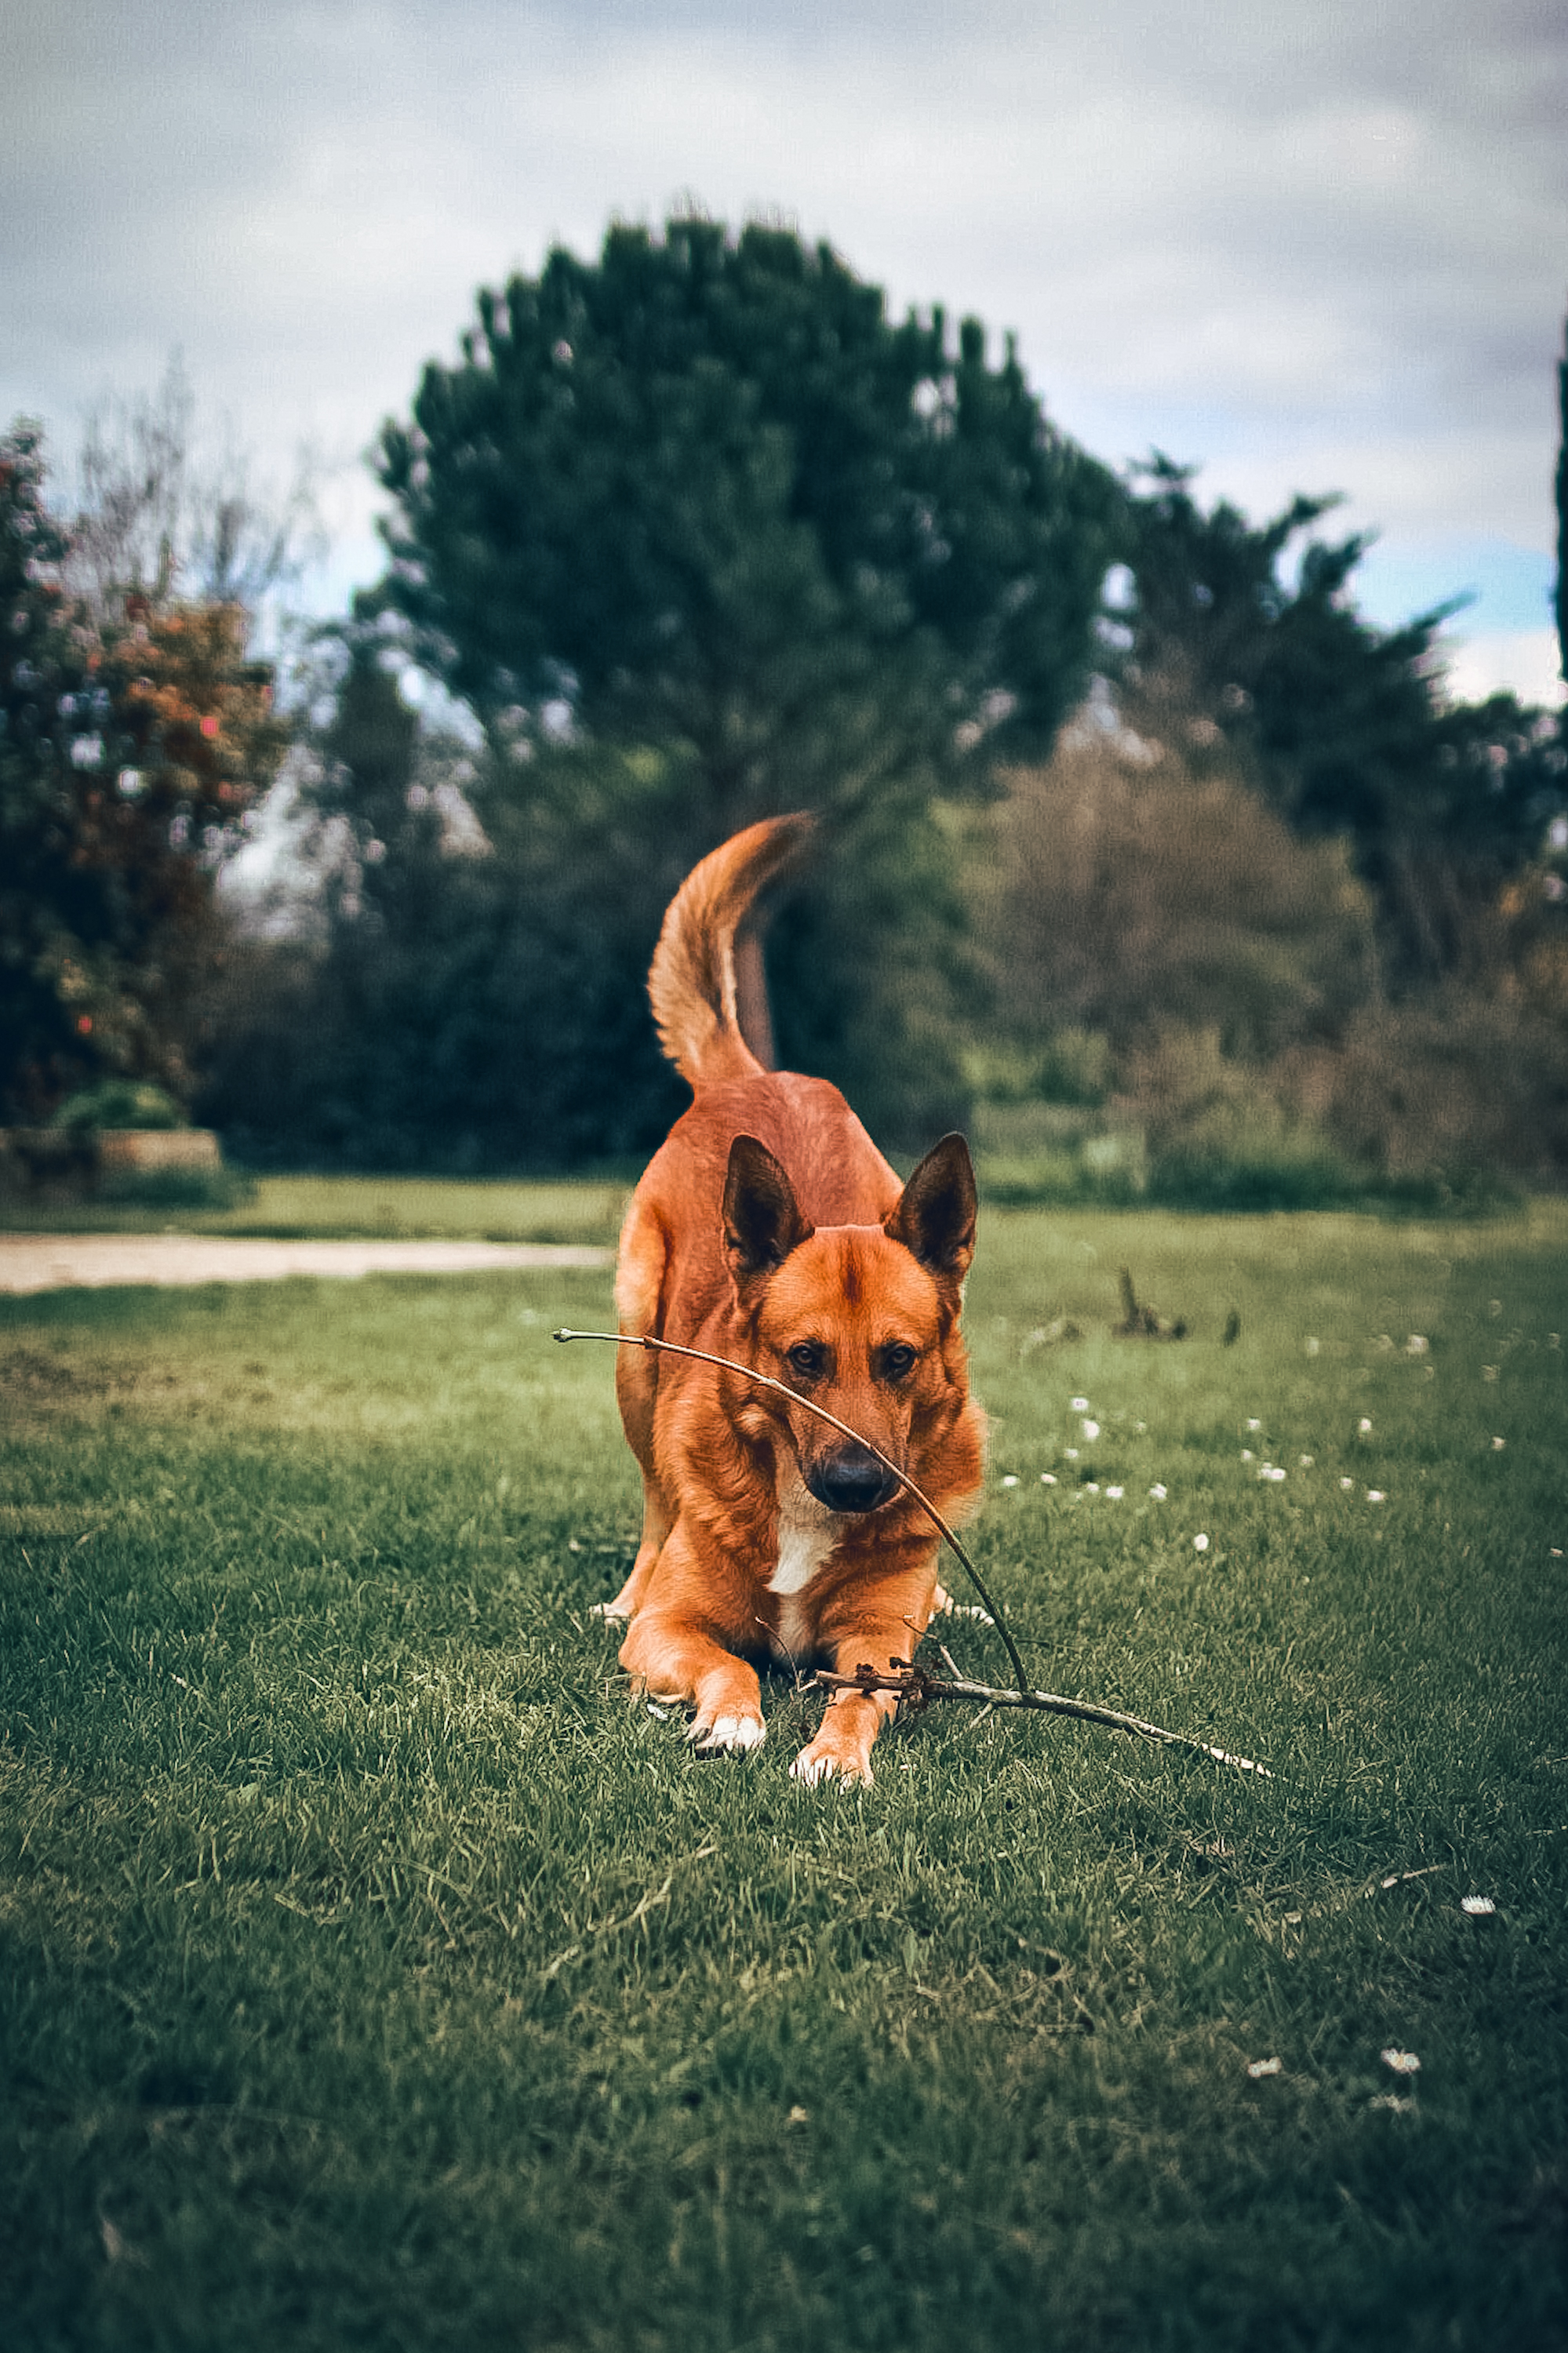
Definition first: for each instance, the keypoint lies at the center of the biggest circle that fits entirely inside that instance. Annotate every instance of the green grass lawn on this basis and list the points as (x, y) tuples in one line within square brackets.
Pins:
[(346, 1208), (378, 1972)]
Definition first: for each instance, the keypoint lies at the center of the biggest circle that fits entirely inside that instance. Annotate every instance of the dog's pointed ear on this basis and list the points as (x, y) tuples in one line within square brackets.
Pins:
[(934, 1216), (762, 1218)]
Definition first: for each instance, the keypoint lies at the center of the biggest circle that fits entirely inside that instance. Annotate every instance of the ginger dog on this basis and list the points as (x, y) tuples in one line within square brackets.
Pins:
[(768, 1229)]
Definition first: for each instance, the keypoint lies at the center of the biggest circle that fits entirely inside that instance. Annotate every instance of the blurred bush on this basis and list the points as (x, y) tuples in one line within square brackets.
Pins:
[(121, 1103), (1449, 1089), (175, 1188), (1221, 1136), (1189, 1008), (1123, 888)]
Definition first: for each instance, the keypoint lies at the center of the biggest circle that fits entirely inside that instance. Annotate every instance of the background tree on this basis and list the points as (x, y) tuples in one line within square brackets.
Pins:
[(45, 665), (692, 487), (155, 517), (1561, 488), (472, 998), (132, 747), (1341, 725), (701, 497)]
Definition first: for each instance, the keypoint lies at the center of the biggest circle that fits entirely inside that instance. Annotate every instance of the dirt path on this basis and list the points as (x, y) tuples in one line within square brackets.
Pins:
[(59, 1261)]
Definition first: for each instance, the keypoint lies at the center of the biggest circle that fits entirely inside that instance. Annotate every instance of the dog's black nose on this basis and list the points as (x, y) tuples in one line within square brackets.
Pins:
[(853, 1481)]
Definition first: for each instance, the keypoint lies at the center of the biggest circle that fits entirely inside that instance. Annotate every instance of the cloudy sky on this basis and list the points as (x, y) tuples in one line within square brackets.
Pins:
[(1316, 244)]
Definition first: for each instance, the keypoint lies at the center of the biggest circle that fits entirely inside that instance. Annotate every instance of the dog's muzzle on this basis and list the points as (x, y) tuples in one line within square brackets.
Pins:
[(852, 1481)]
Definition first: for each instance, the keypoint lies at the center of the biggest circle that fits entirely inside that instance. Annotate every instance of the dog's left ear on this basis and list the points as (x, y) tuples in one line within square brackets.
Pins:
[(934, 1214)]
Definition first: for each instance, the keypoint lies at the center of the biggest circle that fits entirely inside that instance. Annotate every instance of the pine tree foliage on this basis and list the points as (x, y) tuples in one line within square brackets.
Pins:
[(702, 492), (1344, 727)]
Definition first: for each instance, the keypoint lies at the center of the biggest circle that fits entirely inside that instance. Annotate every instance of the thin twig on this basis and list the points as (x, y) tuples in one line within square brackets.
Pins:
[(916, 1690), (767, 1381)]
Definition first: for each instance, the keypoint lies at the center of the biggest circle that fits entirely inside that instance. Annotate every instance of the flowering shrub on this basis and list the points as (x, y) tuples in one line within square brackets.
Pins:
[(133, 742)]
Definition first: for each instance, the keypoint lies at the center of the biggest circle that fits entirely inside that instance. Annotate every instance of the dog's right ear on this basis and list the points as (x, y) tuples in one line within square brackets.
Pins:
[(762, 1220)]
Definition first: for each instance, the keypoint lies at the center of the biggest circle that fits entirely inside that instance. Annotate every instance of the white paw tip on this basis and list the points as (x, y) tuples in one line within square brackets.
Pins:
[(732, 1732), (813, 1769)]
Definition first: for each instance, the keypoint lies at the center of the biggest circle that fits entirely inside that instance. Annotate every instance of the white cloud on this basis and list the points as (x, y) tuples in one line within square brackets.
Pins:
[(1315, 249)]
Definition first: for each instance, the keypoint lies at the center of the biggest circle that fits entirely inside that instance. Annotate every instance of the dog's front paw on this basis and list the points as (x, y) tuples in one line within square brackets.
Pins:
[(733, 1733), (832, 1760), (612, 1612)]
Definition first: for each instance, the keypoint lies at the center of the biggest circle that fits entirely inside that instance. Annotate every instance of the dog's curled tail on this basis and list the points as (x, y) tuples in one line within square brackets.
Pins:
[(691, 983)]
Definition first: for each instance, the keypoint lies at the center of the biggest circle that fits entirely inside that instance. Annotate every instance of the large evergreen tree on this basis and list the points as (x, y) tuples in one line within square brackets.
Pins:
[(700, 499), (702, 492)]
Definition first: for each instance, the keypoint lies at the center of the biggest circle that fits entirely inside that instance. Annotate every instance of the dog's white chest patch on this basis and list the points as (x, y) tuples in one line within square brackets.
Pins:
[(806, 1537)]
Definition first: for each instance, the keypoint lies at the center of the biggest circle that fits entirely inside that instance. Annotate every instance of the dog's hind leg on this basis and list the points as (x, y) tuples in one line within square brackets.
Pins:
[(639, 1282), (656, 1525)]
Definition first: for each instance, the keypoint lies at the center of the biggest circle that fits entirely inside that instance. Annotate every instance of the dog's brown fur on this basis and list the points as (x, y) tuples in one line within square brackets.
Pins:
[(768, 1229)]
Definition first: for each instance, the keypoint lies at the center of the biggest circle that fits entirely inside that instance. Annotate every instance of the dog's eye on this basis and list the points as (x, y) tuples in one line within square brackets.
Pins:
[(806, 1358), (897, 1360)]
